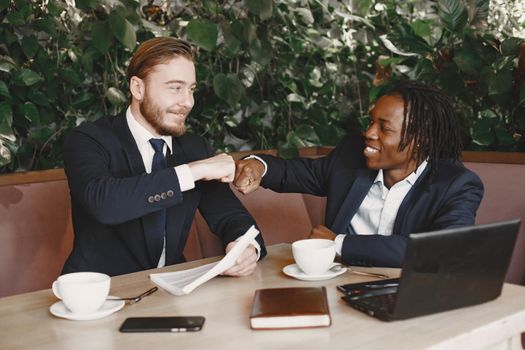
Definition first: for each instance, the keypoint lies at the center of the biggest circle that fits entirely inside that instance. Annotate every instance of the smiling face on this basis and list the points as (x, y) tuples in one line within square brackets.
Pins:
[(382, 139), (162, 101)]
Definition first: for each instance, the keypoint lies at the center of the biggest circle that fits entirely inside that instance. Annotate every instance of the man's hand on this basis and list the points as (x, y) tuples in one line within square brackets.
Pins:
[(245, 264), (220, 167), (323, 232), (248, 175)]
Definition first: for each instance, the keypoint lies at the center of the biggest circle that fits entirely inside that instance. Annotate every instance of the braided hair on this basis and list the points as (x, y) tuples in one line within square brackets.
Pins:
[(430, 121)]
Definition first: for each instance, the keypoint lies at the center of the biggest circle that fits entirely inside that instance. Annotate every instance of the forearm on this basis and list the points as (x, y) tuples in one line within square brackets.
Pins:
[(373, 250)]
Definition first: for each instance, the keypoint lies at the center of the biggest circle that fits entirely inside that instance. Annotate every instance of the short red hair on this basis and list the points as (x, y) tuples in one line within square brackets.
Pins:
[(157, 51)]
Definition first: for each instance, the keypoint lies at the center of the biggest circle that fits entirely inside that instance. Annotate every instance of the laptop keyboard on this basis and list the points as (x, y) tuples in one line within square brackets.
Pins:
[(384, 303)]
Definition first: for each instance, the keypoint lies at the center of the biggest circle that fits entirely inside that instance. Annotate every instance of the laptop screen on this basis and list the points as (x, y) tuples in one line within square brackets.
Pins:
[(453, 268)]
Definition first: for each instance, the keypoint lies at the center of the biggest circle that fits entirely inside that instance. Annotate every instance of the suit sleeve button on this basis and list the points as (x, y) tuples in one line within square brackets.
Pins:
[(163, 195), (151, 199), (170, 193), (157, 198)]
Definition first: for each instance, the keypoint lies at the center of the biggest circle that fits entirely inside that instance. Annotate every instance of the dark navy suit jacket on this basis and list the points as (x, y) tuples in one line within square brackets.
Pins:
[(113, 214), (450, 198)]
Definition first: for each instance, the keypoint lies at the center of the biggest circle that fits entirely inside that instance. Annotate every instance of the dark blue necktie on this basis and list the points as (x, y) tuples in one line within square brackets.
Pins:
[(159, 162)]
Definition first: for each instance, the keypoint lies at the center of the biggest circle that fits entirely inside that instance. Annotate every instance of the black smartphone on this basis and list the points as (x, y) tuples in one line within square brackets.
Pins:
[(357, 288), (163, 324)]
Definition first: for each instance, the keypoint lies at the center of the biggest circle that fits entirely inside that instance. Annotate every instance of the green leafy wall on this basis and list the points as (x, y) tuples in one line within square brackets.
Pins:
[(271, 74)]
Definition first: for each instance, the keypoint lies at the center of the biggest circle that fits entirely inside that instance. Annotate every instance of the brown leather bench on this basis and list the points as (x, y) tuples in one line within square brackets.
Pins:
[(36, 229)]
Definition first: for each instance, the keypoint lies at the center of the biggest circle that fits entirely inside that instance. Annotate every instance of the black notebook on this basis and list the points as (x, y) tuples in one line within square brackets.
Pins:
[(442, 270)]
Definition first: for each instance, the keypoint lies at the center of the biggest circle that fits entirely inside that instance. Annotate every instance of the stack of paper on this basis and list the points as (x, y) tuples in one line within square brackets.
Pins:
[(183, 282)]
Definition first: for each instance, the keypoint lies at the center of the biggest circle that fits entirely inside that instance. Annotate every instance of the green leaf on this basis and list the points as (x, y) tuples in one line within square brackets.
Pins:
[(305, 15), (228, 87), (287, 151), (38, 97), (30, 45), (478, 11), (244, 30), (424, 69), (86, 5), (41, 134), (500, 83), (4, 91), (453, 14), (116, 97), (307, 133), (7, 64), (391, 60), (482, 132), (47, 24), (4, 4), (261, 51), (511, 46), (468, 61), (204, 33), (123, 30), (328, 134), (16, 18), (6, 114), (362, 7), (421, 28), (26, 77), (261, 8), (504, 136), (30, 112), (71, 76), (84, 100), (232, 45), (100, 38), (54, 8)]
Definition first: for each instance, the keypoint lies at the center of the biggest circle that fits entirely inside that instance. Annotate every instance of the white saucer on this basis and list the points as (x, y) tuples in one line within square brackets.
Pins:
[(110, 306), (294, 271)]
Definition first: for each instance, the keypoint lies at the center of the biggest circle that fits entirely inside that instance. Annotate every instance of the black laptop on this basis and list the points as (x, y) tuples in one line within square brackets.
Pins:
[(442, 270)]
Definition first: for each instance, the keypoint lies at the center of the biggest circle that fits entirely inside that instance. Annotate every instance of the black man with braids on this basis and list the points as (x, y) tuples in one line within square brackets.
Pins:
[(402, 177)]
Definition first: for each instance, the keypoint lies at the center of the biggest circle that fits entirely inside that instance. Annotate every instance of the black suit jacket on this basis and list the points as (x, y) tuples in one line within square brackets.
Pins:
[(449, 199), (111, 205)]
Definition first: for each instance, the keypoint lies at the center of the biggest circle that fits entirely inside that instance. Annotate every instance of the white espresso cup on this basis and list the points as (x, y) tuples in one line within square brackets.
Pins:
[(82, 292), (314, 256)]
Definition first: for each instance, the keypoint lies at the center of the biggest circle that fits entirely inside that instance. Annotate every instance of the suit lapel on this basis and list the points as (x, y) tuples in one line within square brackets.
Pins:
[(353, 200), (408, 202), (129, 146)]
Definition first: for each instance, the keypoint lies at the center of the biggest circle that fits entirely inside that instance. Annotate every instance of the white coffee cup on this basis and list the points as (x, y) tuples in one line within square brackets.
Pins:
[(82, 292), (314, 256)]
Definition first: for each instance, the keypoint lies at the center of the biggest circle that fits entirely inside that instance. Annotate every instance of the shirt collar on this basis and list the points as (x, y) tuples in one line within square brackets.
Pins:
[(411, 179), (141, 134)]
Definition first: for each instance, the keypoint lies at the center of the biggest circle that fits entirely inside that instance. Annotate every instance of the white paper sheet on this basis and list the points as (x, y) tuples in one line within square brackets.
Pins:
[(183, 282)]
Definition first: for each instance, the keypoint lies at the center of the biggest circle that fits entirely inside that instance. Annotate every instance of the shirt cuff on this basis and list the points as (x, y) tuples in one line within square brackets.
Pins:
[(339, 244), (255, 245), (253, 156), (185, 177)]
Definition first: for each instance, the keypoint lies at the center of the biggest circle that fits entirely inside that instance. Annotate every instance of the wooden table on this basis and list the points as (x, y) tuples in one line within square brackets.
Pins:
[(25, 321)]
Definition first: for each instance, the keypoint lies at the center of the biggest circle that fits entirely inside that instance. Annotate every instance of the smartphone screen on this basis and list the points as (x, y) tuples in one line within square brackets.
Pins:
[(163, 324)]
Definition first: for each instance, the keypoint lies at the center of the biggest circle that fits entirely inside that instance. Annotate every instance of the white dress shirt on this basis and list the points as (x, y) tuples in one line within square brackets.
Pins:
[(377, 213)]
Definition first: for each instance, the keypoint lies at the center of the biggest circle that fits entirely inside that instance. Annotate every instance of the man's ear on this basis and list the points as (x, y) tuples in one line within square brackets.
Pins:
[(137, 88)]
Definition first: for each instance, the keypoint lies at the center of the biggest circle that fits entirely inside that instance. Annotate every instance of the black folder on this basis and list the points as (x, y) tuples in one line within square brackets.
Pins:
[(442, 270)]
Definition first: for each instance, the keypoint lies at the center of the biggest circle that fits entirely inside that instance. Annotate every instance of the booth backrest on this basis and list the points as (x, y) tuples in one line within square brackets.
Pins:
[(504, 199), (36, 231), (36, 235)]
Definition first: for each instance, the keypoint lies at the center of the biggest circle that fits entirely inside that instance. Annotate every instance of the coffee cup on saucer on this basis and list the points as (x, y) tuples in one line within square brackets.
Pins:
[(314, 256), (82, 292)]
